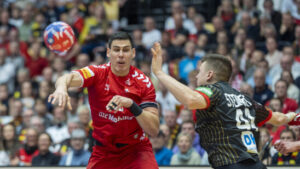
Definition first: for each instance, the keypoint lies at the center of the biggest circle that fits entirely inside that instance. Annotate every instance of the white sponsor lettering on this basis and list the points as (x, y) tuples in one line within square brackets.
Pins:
[(237, 100), (114, 118)]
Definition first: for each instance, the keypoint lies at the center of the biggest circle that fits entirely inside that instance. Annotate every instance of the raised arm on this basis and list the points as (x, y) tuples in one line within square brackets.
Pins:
[(184, 94), (62, 84)]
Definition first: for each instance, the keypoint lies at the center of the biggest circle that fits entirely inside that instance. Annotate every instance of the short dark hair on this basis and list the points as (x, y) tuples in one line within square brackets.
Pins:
[(120, 36), (288, 131), (281, 80), (220, 64)]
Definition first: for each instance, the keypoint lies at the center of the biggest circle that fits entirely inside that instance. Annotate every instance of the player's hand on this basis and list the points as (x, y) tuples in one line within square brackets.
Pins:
[(61, 96), (157, 58), (286, 147), (117, 102)]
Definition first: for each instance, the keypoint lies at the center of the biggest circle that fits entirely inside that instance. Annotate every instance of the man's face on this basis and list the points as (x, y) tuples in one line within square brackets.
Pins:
[(170, 118), (77, 143), (280, 89), (121, 53), (259, 79), (202, 75), (157, 142), (286, 136), (188, 128)]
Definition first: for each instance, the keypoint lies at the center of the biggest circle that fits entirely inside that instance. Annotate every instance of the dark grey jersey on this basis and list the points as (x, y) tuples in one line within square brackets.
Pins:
[(227, 125)]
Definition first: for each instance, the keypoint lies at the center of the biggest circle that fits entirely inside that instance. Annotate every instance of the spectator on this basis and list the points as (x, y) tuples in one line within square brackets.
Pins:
[(83, 113), (59, 67), (25, 28), (77, 156), (15, 111), (38, 124), (202, 45), (236, 76), (59, 130), (255, 59), (187, 127), (184, 115), (179, 35), (286, 63), (199, 22), (290, 159), (15, 56), (247, 89), (265, 145), (249, 48), (27, 95), (187, 155), (30, 148), (9, 146), (268, 6), (287, 28), (35, 62), (162, 154), (45, 157), (273, 56), (140, 49), (170, 23), (170, 120), (289, 104), (296, 44), (151, 34), (189, 62), (41, 110), (7, 70), (166, 130), (74, 99), (166, 99), (218, 26), (262, 93), (293, 91), (225, 11)]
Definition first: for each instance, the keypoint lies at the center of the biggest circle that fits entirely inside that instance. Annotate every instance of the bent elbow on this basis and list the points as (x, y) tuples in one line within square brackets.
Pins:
[(154, 132)]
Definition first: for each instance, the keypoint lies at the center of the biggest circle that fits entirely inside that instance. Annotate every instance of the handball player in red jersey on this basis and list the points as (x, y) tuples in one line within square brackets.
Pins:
[(123, 107)]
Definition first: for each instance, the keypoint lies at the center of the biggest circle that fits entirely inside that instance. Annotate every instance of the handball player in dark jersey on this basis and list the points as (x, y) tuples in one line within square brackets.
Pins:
[(226, 118), (123, 108)]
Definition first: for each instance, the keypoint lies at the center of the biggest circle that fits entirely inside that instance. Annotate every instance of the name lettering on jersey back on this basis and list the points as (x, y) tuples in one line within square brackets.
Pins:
[(114, 118), (237, 100)]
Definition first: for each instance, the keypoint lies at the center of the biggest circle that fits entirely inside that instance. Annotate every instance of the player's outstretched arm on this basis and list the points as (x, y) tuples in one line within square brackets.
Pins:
[(278, 118), (147, 118), (60, 95), (184, 94), (285, 147)]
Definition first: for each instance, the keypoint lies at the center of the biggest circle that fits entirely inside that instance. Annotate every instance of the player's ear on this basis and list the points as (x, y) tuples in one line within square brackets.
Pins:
[(133, 52), (107, 52), (210, 75)]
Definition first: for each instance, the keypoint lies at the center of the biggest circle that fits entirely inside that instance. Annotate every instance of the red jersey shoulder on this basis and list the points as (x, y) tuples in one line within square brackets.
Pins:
[(141, 78)]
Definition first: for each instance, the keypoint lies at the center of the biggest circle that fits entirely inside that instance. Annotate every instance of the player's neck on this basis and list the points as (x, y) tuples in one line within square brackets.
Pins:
[(120, 73)]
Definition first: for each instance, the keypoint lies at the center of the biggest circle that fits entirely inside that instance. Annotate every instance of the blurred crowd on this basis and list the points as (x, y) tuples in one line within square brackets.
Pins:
[(261, 38)]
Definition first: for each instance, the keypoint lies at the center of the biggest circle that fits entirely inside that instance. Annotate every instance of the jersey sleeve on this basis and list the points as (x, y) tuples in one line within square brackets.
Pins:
[(263, 114), (89, 74), (211, 94), (148, 97)]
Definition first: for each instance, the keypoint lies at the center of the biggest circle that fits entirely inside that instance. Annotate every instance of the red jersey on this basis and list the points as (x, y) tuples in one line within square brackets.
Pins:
[(111, 128), (289, 105)]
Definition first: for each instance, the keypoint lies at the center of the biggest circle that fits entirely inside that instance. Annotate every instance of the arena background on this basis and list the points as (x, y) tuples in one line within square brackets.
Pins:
[(131, 19)]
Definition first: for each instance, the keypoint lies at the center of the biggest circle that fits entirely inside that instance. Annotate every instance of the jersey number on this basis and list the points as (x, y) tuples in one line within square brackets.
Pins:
[(244, 119)]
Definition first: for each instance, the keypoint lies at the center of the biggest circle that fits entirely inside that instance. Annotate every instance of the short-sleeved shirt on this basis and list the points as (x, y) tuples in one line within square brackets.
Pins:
[(227, 125), (118, 127)]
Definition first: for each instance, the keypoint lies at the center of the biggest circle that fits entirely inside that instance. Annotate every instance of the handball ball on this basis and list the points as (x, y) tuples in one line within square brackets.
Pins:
[(59, 37)]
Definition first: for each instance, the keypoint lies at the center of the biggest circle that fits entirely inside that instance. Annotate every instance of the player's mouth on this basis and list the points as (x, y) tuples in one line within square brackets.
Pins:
[(121, 62)]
